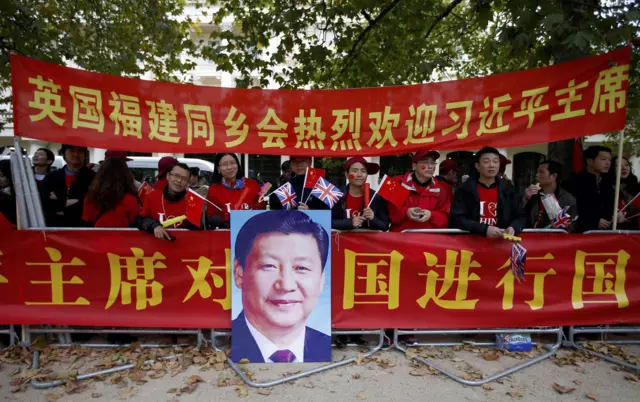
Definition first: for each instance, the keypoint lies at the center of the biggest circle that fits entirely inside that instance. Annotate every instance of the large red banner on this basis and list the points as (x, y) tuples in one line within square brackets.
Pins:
[(568, 100), (379, 280)]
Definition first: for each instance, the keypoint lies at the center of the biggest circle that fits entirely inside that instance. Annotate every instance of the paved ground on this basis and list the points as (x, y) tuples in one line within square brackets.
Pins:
[(388, 376)]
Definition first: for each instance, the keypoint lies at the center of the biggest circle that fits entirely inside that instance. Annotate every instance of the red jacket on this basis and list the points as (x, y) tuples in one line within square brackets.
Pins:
[(122, 216), (221, 196), (432, 197)]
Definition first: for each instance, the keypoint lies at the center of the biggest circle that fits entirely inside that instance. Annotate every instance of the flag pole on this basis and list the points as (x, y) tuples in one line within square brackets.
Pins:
[(198, 195), (374, 196), (306, 172), (618, 173)]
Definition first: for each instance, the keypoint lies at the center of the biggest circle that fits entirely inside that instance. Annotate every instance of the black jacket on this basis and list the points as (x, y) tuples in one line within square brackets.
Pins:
[(465, 209), (593, 205), (55, 182), (297, 183), (8, 207), (565, 199), (339, 221)]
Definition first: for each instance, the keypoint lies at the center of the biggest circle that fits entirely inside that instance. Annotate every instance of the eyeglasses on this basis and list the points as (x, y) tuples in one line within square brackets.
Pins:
[(179, 178)]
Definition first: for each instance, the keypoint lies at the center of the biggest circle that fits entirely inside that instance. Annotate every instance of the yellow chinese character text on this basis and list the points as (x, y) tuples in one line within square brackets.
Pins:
[(529, 107), (47, 100), (309, 130), (462, 125), (495, 111), (87, 108), (126, 113), (462, 279), (378, 274), (273, 130), (609, 90), (57, 282), (236, 127), (199, 124), (572, 97), (382, 127), (346, 120), (508, 283), (139, 271), (163, 122), (201, 285), (421, 124), (608, 283)]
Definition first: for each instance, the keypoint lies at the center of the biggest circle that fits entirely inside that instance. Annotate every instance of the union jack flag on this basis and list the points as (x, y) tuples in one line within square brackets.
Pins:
[(287, 196), (326, 192), (562, 220)]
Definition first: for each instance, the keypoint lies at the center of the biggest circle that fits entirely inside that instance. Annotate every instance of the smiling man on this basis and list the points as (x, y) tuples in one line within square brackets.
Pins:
[(279, 266)]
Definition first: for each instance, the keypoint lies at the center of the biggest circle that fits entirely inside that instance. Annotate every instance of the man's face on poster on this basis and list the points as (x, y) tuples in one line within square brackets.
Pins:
[(282, 280)]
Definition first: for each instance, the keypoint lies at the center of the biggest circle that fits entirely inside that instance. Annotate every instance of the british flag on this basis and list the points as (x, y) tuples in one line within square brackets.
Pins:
[(287, 196), (563, 220), (326, 192)]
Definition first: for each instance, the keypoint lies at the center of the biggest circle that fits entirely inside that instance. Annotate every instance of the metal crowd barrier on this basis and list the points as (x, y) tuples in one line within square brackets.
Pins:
[(552, 348), (605, 330), (9, 330), (215, 334)]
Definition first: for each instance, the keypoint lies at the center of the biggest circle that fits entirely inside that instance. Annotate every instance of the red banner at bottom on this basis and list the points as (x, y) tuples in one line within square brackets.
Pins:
[(379, 280)]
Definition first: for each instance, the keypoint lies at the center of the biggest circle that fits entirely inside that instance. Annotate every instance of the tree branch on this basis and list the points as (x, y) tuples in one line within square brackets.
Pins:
[(442, 16), (360, 40), (366, 15)]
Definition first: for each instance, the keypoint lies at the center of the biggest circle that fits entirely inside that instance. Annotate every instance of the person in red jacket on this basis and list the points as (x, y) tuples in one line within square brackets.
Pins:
[(112, 200), (427, 206), (230, 190), (448, 177)]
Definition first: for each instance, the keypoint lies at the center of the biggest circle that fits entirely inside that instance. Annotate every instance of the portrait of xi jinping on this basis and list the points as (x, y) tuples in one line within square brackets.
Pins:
[(279, 269)]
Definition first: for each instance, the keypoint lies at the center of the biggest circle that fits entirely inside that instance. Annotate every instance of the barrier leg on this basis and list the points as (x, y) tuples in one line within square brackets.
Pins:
[(372, 350), (573, 343), (10, 331), (552, 349)]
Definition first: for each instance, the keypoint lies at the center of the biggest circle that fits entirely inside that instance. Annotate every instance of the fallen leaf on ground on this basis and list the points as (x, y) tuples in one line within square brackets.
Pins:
[(158, 374), (514, 394), (242, 390), (385, 363), (53, 397), (562, 389), (188, 389), (74, 387), (456, 360), (490, 356), (172, 390), (631, 378), (421, 371), (96, 395), (308, 385), (410, 355), (578, 382), (157, 366), (244, 361), (580, 370), (127, 393), (219, 366), (361, 396), (199, 360), (355, 376), (138, 376), (359, 358), (264, 391), (15, 381), (194, 379), (592, 397), (487, 387)]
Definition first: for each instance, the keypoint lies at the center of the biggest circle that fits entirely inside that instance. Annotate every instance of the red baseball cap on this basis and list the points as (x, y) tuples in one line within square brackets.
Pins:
[(164, 164), (449, 165), (372, 168), (116, 154), (424, 154), (504, 161)]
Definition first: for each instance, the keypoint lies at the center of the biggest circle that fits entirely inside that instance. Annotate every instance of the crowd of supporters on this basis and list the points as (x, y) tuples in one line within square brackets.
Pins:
[(486, 203)]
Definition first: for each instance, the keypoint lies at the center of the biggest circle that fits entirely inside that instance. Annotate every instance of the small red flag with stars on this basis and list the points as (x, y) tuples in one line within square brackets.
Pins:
[(311, 178), (393, 192), (195, 205)]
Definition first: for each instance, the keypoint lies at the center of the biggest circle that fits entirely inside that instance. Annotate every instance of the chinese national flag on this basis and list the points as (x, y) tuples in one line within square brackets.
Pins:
[(195, 205), (393, 192), (312, 177), (145, 189)]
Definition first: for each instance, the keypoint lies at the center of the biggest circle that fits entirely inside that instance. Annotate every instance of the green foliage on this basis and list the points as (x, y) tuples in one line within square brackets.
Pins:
[(122, 37)]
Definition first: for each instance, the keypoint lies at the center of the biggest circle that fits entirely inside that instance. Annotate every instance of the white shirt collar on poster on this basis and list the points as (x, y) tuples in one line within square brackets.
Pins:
[(267, 348)]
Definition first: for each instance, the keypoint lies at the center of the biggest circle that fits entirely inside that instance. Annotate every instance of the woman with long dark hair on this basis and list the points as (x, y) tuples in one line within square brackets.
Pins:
[(629, 188), (7, 197), (112, 201), (230, 190)]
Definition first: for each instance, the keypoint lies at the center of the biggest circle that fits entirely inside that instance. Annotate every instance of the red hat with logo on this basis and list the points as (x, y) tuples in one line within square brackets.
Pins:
[(449, 165), (372, 168), (424, 154), (164, 164), (116, 154)]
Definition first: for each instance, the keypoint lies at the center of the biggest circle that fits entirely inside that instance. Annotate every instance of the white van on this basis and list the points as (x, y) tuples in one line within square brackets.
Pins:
[(147, 166)]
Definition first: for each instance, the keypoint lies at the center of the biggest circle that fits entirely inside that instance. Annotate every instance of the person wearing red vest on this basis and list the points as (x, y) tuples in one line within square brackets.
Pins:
[(487, 205), (427, 206), (112, 201), (230, 190)]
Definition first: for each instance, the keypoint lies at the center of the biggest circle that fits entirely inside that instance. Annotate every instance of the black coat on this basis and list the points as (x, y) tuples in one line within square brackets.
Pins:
[(465, 209), (297, 183), (378, 205), (565, 199), (55, 182), (593, 205)]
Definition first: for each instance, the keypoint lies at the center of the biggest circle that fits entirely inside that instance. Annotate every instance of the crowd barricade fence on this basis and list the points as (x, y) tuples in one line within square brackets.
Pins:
[(10, 331), (551, 348), (605, 330)]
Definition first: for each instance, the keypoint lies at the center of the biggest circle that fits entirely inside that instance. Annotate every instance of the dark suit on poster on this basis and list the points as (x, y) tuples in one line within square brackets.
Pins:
[(317, 346)]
